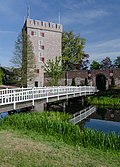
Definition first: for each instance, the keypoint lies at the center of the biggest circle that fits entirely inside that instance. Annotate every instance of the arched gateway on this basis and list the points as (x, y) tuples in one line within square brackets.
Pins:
[(101, 82), (102, 78)]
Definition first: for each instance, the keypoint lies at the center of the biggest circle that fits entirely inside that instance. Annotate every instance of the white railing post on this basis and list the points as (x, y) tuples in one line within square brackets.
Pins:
[(14, 103), (74, 91), (33, 101), (74, 118), (58, 93), (47, 94)]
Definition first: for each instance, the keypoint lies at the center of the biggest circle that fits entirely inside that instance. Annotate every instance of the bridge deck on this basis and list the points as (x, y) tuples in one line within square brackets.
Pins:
[(16, 98)]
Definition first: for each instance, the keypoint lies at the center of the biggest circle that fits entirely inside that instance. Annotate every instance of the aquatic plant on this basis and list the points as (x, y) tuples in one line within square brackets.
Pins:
[(104, 101), (57, 125)]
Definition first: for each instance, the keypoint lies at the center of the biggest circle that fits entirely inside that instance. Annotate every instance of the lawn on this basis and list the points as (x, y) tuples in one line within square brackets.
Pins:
[(18, 149)]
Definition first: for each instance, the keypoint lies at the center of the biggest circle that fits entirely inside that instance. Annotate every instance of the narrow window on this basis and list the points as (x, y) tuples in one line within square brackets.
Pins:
[(42, 59), (32, 32), (42, 34), (43, 47), (36, 83)]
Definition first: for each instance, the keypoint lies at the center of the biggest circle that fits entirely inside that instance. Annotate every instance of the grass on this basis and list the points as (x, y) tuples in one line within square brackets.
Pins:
[(18, 149), (56, 124), (48, 139), (105, 101)]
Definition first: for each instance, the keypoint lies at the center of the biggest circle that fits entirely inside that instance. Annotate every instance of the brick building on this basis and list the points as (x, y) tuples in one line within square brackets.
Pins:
[(46, 40)]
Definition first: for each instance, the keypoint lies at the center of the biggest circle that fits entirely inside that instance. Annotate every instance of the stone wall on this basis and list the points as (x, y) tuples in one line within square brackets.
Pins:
[(82, 74)]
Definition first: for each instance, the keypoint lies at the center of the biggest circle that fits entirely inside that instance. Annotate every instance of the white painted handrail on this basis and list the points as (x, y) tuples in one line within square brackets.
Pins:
[(19, 95), (79, 116)]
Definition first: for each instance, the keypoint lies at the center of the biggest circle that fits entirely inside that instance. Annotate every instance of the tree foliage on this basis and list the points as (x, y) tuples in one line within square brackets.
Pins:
[(73, 82), (72, 50), (117, 62), (106, 63), (1, 76), (95, 65), (54, 69), (23, 59), (28, 60)]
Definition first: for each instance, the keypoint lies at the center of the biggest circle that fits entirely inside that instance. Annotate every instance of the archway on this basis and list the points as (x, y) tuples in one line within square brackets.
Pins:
[(101, 82)]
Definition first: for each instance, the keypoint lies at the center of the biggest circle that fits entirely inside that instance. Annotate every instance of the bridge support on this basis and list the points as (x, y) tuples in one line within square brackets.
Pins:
[(39, 107), (83, 101), (64, 105)]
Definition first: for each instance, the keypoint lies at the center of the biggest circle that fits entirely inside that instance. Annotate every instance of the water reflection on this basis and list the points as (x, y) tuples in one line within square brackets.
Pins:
[(104, 119), (110, 114)]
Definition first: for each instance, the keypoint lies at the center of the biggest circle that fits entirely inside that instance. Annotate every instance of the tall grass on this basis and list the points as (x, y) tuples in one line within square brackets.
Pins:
[(57, 125), (104, 101)]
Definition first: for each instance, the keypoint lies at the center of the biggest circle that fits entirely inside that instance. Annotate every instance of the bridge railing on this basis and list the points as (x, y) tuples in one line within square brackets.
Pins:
[(32, 94), (79, 116), (7, 90)]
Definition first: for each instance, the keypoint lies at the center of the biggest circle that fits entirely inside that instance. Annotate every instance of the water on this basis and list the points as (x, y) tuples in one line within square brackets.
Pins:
[(3, 115), (104, 119), (103, 125)]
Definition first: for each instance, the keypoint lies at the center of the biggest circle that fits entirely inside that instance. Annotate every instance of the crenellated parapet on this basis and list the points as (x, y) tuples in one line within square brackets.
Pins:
[(49, 26)]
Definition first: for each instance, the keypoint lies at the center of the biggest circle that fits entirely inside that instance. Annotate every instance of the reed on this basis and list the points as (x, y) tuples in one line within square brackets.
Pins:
[(57, 125), (104, 101)]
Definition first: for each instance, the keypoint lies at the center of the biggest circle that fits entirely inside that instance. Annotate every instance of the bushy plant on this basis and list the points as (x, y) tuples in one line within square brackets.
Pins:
[(73, 82)]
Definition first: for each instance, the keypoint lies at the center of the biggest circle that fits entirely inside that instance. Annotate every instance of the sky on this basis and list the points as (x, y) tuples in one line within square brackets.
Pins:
[(98, 21)]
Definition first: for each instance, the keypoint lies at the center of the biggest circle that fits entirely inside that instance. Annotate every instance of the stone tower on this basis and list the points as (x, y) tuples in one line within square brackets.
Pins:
[(46, 41)]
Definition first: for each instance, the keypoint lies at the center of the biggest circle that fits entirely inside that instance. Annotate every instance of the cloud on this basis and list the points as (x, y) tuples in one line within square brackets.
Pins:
[(73, 5), (104, 49), (44, 5), (5, 9), (92, 14), (111, 44), (100, 56), (7, 32), (85, 17)]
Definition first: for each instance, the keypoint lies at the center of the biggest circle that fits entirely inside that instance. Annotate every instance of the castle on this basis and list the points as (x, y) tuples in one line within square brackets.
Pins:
[(46, 41)]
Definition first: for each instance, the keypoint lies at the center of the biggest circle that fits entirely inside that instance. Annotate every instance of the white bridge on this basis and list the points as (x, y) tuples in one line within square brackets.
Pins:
[(12, 99)]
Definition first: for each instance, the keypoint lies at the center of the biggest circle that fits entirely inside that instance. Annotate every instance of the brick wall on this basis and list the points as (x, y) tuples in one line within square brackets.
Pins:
[(82, 74)]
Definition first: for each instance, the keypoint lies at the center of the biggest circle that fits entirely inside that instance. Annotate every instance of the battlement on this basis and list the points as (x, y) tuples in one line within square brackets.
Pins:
[(43, 25)]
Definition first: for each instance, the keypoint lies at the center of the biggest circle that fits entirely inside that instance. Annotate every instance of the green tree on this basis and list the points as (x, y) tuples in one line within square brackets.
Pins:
[(117, 62), (73, 56), (14, 77), (72, 50), (23, 59), (106, 63), (73, 82), (54, 69), (28, 60), (95, 65), (1, 76)]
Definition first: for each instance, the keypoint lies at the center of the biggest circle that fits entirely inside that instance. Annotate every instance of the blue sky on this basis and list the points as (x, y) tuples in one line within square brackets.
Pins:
[(98, 21)]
